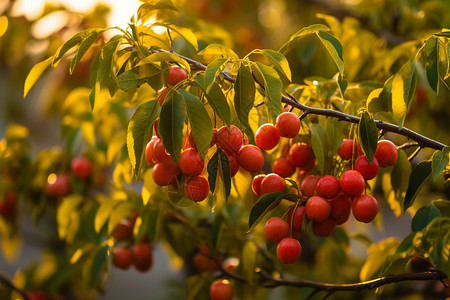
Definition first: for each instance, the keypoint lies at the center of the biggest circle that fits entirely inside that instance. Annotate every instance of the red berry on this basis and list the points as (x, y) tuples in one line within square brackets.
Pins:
[(162, 96), (221, 289), (191, 162), (317, 209), (298, 217), (365, 208), (142, 257), (123, 231), (324, 228), (81, 167), (122, 258), (300, 154), (386, 153), (276, 229), (203, 261), (328, 186), (197, 188), (160, 155), (272, 183), (283, 167), (149, 150), (164, 175), (192, 140), (288, 250), (256, 184), (8, 205), (309, 185), (229, 141), (288, 124), (175, 75), (58, 185), (346, 149), (341, 206), (267, 136), (352, 183), (367, 170), (251, 158), (234, 163)]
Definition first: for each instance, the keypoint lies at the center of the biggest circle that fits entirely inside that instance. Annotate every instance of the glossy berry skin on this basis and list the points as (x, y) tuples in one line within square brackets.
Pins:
[(267, 137), (60, 187), (386, 153), (317, 209), (352, 183), (81, 167), (309, 185), (192, 140), (197, 188), (203, 261), (175, 75), (297, 222), (283, 167), (272, 183), (122, 258), (123, 231), (142, 257), (256, 184), (251, 158), (346, 149), (149, 150), (300, 154), (328, 187), (8, 205), (191, 162), (164, 175), (324, 228), (160, 155), (276, 229), (234, 163), (288, 250), (221, 289), (365, 208), (229, 141), (367, 170), (341, 207), (288, 124), (162, 96)]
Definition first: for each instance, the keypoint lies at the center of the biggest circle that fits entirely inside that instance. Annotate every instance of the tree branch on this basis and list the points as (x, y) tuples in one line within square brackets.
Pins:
[(4, 279)]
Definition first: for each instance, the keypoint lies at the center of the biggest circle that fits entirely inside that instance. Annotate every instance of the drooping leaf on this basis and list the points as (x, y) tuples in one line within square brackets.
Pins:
[(145, 10), (65, 213), (139, 132), (343, 84), (431, 54), (105, 72), (165, 57), (35, 73), (216, 51), (368, 135), (226, 172), (424, 216), (439, 161), (199, 121), (244, 97), (186, 34), (378, 254), (262, 206), (318, 144), (74, 41), (300, 34), (103, 213), (211, 70), (278, 60), (381, 99), (212, 168), (171, 122), (84, 47), (128, 80), (219, 103), (403, 87), (98, 264), (418, 176), (272, 85), (333, 47), (219, 161), (399, 179)]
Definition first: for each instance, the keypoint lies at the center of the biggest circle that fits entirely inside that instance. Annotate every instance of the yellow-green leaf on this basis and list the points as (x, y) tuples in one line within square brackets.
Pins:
[(35, 73)]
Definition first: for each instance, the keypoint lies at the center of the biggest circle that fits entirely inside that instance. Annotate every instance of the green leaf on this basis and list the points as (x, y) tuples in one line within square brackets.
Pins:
[(333, 47), (139, 132), (264, 204), (103, 213), (212, 69), (35, 73), (343, 84), (216, 51), (186, 34), (200, 122), (399, 180), (418, 176), (84, 47), (300, 34), (219, 103), (272, 85), (226, 172), (278, 60), (105, 75), (98, 264), (212, 168), (128, 80), (424, 216), (431, 55), (74, 41), (123, 210), (368, 135), (165, 57), (439, 162), (171, 122), (377, 256), (381, 99), (403, 87), (244, 97), (65, 212), (334, 133), (151, 5), (318, 144)]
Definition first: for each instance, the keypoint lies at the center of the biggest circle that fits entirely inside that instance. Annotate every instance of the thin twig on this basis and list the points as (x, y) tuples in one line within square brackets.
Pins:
[(10, 285), (407, 145)]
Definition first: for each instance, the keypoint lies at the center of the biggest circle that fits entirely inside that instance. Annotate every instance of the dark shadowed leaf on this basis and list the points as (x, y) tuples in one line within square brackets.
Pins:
[(368, 135), (439, 162), (212, 168), (418, 176), (431, 53), (424, 216), (262, 206), (278, 60), (218, 102), (244, 97), (318, 144), (226, 172), (333, 47), (219, 161), (98, 264)]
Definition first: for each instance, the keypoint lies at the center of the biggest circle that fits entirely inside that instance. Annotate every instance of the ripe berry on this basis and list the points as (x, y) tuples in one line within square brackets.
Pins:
[(365, 208), (328, 186), (191, 162), (300, 154), (221, 289), (175, 75), (164, 175), (276, 229), (149, 150), (341, 206), (229, 141), (251, 158), (8, 205), (324, 228), (288, 250), (267, 137), (192, 140), (123, 231), (203, 261), (317, 209), (162, 96), (81, 167), (283, 167), (197, 188), (160, 155), (272, 183), (234, 163), (367, 170), (346, 149), (256, 184), (309, 185), (298, 217), (142, 257), (58, 185), (386, 153), (288, 124), (122, 258), (352, 183)]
